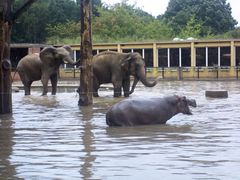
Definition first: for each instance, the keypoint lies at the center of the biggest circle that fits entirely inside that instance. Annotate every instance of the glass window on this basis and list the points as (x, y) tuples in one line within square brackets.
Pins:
[(113, 50), (77, 58), (127, 50), (225, 56), (102, 50), (237, 56), (17, 54), (200, 57), (148, 57), (186, 57), (140, 51), (174, 57), (212, 56), (94, 52), (163, 57)]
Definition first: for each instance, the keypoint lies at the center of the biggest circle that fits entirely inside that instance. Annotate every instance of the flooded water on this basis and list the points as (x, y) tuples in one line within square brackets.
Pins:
[(52, 138)]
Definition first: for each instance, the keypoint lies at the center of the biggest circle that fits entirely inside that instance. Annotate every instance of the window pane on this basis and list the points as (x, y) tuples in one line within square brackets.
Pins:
[(174, 57), (186, 57), (200, 56), (237, 56), (138, 50), (127, 50), (212, 56), (163, 57), (148, 57), (225, 56)]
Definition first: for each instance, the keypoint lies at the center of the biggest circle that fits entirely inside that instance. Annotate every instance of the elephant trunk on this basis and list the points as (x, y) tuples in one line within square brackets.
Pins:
[(134, 85), (70, 61), (143, 79)]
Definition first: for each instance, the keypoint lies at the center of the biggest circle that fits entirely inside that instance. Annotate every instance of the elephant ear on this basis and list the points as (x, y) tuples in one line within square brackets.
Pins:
[(47, 54), (125, 62), (69, 49), (63, 52)]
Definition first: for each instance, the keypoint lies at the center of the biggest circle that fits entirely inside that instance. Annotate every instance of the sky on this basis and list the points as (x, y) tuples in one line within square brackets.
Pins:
[(157, 7)]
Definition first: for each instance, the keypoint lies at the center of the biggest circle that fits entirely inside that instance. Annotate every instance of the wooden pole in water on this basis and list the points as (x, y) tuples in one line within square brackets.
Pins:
[(85, 88), (6, 21), (5, 64)]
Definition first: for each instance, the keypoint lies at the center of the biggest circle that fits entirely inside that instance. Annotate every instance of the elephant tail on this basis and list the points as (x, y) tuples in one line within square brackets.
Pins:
[(14, 74)]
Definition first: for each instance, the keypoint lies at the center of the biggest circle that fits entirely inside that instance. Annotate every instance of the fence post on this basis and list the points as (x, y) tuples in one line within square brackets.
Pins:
[(85, 88)]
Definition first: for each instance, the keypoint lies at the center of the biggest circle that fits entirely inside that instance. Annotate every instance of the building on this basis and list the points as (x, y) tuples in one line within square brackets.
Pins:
[(181, 59)]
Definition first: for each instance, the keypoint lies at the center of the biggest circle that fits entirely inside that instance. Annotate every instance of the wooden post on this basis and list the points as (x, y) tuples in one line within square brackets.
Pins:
[(5, 63), (6, 21), (85, 88)]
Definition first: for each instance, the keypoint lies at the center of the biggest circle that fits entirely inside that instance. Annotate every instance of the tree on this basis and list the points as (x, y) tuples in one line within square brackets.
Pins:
[(215, 15), (29, 28), (62, 32), (122, 22), (49, 14), (192, 29)]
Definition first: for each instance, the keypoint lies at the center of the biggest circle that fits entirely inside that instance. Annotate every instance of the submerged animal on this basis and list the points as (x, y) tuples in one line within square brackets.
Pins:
[(130, 112)]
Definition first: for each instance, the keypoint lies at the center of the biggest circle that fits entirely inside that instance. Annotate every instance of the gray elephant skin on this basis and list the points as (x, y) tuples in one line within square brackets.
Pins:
[(130, 112), (43, 66), (116, 68)]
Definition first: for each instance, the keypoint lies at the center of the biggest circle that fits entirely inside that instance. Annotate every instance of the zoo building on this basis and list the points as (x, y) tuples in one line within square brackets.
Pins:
[(182, 59)]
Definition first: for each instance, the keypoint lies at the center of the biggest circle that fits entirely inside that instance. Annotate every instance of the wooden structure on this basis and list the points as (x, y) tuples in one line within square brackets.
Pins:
[(187, 59), (85, 88), (5, 64), (7, 18)]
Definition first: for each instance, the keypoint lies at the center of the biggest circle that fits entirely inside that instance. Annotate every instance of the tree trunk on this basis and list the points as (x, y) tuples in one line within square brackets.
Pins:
[(85, 88), (5, 64), (6, 21)]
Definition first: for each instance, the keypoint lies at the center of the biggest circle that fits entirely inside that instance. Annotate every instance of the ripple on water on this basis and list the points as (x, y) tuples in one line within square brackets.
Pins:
[(50, 137)]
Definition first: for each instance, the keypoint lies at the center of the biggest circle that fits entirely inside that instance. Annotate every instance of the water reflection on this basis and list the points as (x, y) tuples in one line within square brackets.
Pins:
[(50, 137), (7, 170), (87, 138)]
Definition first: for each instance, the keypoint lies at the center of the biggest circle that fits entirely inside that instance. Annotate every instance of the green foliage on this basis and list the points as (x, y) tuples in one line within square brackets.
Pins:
[(123, 22), (230, 34), (57, 21), (215, 15), (30, 27), (192, 29), (56, 33)]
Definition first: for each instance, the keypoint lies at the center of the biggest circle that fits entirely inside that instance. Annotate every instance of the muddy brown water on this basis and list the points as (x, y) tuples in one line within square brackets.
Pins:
[(51, 137)]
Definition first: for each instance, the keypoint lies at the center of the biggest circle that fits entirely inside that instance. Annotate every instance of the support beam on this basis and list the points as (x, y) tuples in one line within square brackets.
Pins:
[(6, 21), (85, 88), (5, 63)]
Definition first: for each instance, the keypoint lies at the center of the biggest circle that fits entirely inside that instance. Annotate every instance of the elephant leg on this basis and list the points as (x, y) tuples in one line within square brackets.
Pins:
[(117, 89), (95, 87), (27, 87), (44, 80), (26, 83), (54, 80), (117, 85), (126, 86)]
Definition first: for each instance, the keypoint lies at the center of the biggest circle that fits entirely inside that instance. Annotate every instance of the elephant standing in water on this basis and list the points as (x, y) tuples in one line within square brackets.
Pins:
[(43, 66), (116, 68), (130, 112)]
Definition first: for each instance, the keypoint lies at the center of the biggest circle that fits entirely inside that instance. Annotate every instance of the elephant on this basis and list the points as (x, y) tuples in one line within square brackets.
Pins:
[(155, 110), (116, 68), (43, 66)]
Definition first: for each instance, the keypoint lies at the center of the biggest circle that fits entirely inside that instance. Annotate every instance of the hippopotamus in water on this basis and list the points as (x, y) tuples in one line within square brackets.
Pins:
[(130, 112)]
